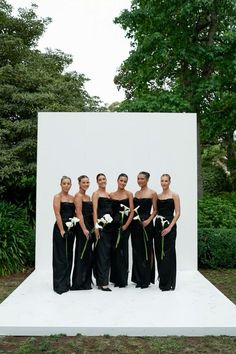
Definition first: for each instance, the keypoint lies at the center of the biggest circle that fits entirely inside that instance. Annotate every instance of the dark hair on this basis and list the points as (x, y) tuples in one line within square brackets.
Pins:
[(81, 177), (122, 175), (166, 175), (65, 177), (100, 174), (146, 174)]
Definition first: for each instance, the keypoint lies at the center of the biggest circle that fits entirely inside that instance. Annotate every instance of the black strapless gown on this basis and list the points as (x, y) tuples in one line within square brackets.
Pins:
[(120, 255), (167, 265), (143, 270), (63, 250), (82, 273), (102, 251)]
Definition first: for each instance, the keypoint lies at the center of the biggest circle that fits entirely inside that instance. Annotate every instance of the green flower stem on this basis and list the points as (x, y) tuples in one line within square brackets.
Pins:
[(86, 243), (120, 231), (162, 247)]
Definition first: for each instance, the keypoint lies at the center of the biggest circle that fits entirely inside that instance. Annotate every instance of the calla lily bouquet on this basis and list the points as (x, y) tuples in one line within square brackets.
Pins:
[(101, 223), (72, 222), (164, 224), (145, 236), (126, 211), (106, 219)]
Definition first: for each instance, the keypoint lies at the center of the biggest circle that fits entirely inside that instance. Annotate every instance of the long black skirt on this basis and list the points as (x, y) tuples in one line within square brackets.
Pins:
[(102, 256), (166, 264), (82, 272), (143, 269), (62, 259), (120, 259)]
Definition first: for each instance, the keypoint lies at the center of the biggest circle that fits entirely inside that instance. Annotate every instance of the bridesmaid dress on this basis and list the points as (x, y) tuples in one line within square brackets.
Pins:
[(82, 272), (63, 250), (167, 264), (120, 255), (143, 269), (102, 251)]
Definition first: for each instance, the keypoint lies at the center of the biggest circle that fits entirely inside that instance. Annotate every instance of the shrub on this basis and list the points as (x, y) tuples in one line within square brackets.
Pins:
[(216, 248), (16, 239), (217, 212), (215, 179)]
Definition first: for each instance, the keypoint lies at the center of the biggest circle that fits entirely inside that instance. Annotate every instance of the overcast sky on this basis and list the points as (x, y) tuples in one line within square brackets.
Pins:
[(85, 29)]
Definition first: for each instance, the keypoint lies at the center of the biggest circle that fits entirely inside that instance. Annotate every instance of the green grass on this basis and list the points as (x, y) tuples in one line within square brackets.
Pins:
[(224, 279)]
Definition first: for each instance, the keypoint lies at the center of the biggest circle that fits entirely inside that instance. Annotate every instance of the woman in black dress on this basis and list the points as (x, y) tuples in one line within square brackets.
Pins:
[(168, 206), (64, 209), (142, 232), (102, 204), (82, 273), (122, 218)]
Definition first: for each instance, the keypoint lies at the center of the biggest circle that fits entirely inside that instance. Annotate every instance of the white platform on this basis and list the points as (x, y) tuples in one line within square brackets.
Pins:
[(195, 308)]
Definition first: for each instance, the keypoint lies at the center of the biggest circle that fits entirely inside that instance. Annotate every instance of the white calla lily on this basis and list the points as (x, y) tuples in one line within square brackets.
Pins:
[(137, 217), (69, 225), (163, 220), (108, 218), (135, 209), (97, 226)]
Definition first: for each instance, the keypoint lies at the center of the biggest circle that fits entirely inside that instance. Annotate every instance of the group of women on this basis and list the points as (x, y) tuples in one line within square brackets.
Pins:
[(91, 236)]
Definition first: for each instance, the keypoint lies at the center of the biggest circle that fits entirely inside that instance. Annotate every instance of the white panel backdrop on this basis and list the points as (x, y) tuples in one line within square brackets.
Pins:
[(88, 143)]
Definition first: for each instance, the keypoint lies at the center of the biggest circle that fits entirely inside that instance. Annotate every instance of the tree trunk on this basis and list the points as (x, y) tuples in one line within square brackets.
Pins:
[(199, 162)]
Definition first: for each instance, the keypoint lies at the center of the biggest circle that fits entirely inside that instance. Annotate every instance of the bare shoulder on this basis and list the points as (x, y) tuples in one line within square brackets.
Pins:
[(175, 195), (153, 193), (130, 194), (57, 197), (78, 196)]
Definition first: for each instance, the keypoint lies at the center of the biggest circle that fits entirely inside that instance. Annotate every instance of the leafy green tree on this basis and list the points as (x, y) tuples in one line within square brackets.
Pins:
[(30, 81), (182, 59)]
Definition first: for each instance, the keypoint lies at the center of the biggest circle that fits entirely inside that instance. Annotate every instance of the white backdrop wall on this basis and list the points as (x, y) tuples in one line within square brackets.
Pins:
[(88, 143)]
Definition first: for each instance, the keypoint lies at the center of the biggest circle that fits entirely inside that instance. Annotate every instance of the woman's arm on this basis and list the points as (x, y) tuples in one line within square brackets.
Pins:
[(95, 197), (176, 216), (131, 213), (78, 210), (154, 210), (56, 208)]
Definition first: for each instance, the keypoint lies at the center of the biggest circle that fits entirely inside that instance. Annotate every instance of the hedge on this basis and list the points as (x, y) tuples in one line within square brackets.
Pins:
[(17, 239), (216, 248)]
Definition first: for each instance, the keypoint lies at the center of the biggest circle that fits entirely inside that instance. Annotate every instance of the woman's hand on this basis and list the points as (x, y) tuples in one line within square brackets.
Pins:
[(97, 234), (166, 231), (86, 233), (145, 222), (62, 232), (124, 227)]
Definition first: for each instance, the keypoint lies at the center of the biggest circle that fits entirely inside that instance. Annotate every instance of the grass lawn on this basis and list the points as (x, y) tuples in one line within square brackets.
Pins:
[(223, 279)]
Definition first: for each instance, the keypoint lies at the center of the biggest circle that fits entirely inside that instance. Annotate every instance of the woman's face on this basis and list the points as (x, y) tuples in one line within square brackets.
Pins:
[(165, 182), (102, 181), (142, 180), (65, 185), (84, 183), (122, 181)]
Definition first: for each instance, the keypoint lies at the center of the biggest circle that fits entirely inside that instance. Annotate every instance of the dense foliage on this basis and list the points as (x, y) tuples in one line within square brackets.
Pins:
[(217, 248), (30, 81), (183, 59), (16, 239)]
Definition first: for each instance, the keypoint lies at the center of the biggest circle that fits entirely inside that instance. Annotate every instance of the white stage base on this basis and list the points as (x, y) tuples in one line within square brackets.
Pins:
[(195, 308)]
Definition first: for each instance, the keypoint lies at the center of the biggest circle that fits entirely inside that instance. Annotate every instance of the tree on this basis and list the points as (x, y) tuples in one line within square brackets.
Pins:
[(30, 81), (182, 59)]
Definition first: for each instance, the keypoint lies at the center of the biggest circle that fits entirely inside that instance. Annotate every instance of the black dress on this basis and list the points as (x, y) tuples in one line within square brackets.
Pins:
[(143, 270), (166, 264), (120, 256), (63, 250), (82, 273), (102, 251)]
